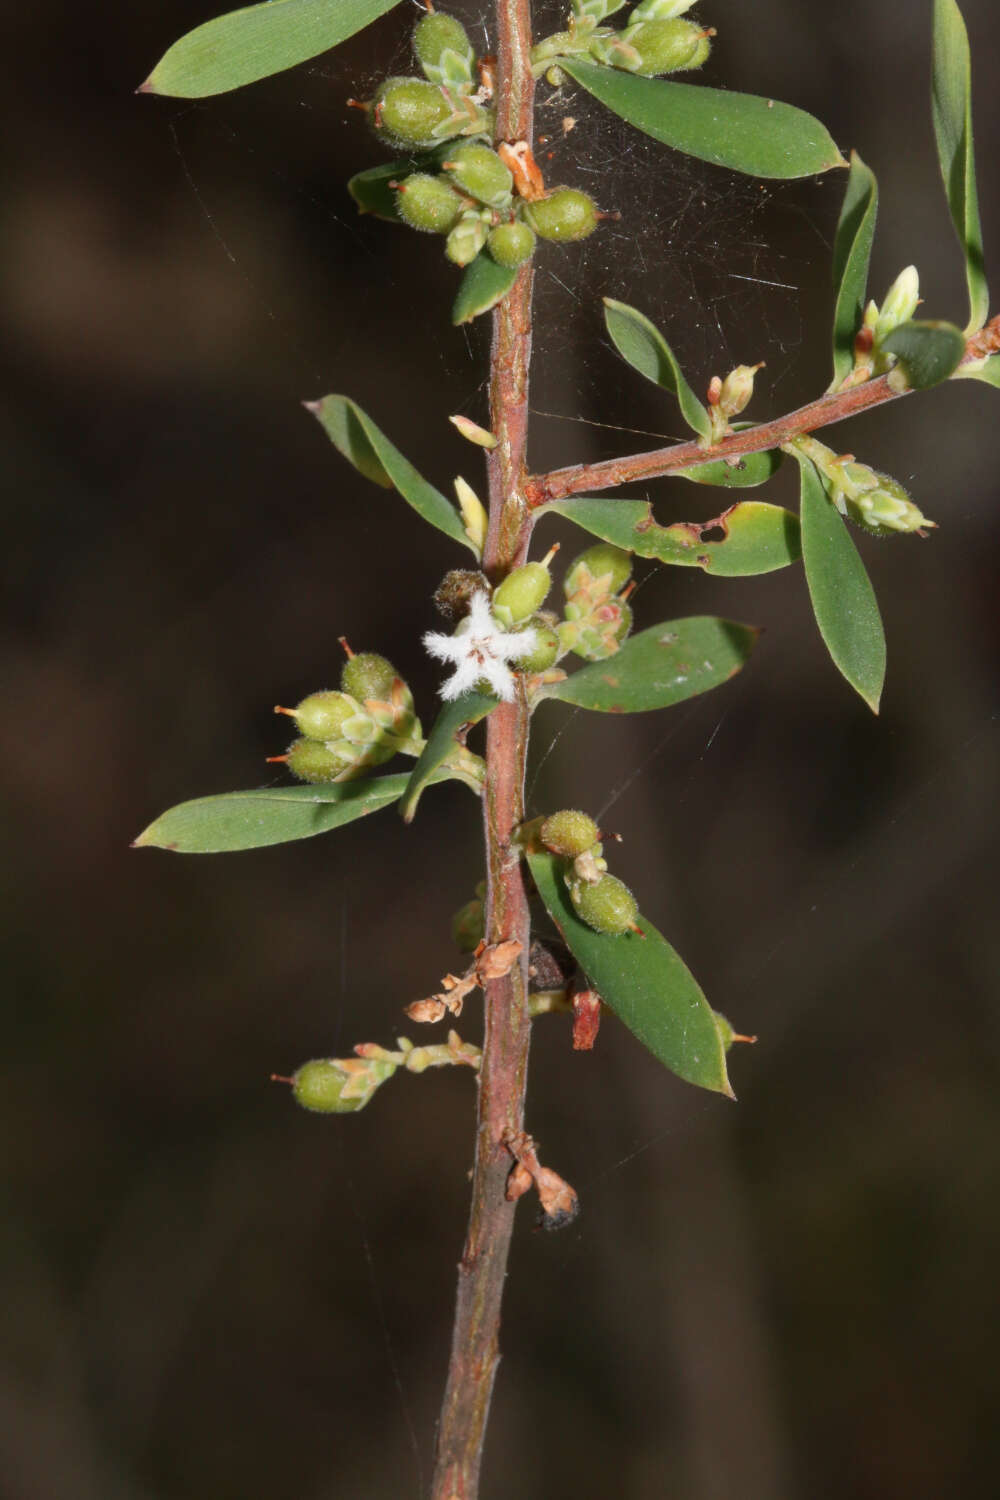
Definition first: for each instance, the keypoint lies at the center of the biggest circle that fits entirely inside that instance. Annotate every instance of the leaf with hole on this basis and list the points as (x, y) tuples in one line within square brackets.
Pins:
[(644, 981), (659, 667), (756, 538), (442, 742), (483, 285), (951, 107), (642, 344), (843, 599), (366, 446), (928, 352), (852, 249), (760, 137), (252, 43)]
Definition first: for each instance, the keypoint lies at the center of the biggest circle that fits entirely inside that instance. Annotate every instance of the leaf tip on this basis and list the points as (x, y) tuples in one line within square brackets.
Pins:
[(149, 87), (315, 407)]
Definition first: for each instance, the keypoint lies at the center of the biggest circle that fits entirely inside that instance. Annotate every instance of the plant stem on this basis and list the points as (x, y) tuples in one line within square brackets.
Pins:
[(503, 1073)]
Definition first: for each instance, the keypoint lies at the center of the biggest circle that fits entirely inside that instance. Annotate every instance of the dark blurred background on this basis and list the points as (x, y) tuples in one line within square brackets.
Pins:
[(212, 1296)]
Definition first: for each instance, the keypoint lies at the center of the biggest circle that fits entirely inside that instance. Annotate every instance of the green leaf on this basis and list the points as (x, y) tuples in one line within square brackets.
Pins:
[(843, 599), (988, 371), (852, 249), (744, 473), (748, 134), (951, 107), (660, 667), (928, 352), (371, 191), (484, 283), (645, 983), (757, 538), (642, 344), (366, 446), (273, 815), (255, 42), (441, 743)]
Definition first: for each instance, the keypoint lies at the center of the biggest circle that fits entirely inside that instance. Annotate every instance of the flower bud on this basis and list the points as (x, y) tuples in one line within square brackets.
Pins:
[(474, 517), (409, 112), (339, 1085), (597, 11), (443, 50), (736, 390), (429, 203), (886, 509), (569, 832), (479, 172), (563, 215), (322, 716), (521, 593), (607, 906), (546, 652), (660, 47), (510, 244), (466, 239), (659, 10), (901, 302), (601, 570)]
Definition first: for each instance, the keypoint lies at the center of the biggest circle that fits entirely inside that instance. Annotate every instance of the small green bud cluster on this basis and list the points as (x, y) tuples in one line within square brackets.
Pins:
[(343, 1085), (727, 398), (601, 900), (901, 302), (597, 615), (345, 733), (655, 41), (874, 501)]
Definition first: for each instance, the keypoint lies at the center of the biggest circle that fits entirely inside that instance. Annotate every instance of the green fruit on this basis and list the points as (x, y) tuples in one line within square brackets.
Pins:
[(546, 652), (428, 203), (443, 49), (410, 112), (607, 906), (322, 716), (665, 47), (466, 239), (611, 565), (468, 926), (565, 214), (569, 833), (479, 172), (510, 244), (318, 763), (521, 593), (368, 675), (319, 1085)]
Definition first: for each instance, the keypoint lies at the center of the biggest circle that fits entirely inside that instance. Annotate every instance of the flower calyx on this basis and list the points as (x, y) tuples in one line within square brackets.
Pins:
[(558, 1201)]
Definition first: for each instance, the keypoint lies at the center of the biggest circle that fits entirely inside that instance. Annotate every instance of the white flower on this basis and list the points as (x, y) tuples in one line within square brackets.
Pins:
[(480, 649)]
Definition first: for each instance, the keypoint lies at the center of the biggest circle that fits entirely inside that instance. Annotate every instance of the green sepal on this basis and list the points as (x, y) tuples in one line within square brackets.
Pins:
[(843, 599), (484, 283), (988, 371), (659, 667), (852, 249), (642, 344), (249, 44), (441, 743), (951, 108), (760, 137), (928, 352), (271, 815), (366, 446), (644, 981), (758, 538)]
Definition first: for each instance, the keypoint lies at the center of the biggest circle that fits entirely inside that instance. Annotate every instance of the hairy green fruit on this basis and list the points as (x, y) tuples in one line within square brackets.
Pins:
[(443, 50), (546, 652), (569, 832), (604, 565), (663, 47), (510, 244), (479, 172), (521, 593), (429, 203), (367, 675), (318, 763), (338, 1086), (565, 215), (607, 906), (322, 716), (410, 112)]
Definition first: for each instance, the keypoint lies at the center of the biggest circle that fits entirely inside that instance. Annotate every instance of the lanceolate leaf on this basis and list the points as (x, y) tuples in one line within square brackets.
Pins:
[(483, 285), (660, 666), (255, 42), (744, 473), (644, 982), (641, 343), (951, 105), (366, 446), (988, 371), (928, 352), (273, 815), (756, 538), (758, 136), (843, 599), (442, 742), (852, 249)]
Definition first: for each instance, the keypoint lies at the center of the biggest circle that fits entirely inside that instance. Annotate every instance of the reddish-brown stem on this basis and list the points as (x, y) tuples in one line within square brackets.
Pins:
[(580, 479), (504, 1067)]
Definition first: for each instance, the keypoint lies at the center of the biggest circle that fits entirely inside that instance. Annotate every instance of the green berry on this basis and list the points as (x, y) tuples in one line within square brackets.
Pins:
[(607, 906), (428, 203), (611, 566), (510, 244), (368, 675), (338, 1086), (479, 172), (322, 716), (318, 763), (443, 49), (466, 239), (409, 112), (569, 832), (521, 593), (665, 46), (565, 214), (546, 651)]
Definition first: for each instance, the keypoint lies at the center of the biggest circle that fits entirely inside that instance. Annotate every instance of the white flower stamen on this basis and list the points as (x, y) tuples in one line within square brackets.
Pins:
[(480, 651)]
